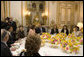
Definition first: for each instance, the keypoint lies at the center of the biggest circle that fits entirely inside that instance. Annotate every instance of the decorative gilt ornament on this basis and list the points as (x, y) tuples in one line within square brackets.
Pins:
[(36, 20), (28, 19), (52, 23)]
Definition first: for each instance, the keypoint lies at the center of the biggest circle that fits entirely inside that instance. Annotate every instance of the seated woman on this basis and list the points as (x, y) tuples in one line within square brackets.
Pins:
[(20, 33), (65, 30), (31, 28), (54, 30), (32, 45)]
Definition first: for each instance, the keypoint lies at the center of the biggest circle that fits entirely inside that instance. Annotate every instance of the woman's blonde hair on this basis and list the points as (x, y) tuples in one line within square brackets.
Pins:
[(33, 43)]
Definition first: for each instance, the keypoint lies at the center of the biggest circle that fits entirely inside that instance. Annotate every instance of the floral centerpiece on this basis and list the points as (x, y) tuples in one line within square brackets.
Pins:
[(45, 36), (81, 40), (70, 46), (77, 39), (56, 40), (61, 37)]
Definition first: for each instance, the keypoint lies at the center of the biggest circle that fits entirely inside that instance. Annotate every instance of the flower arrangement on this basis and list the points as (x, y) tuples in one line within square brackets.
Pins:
[(70, 46), (76, 39), (81, 41), (61, 37), (45, 36), (56, 40)]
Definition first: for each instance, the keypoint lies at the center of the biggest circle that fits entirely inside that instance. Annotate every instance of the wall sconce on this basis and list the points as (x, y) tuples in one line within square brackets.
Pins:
[(46, 13), (27, 13), (44, 16)]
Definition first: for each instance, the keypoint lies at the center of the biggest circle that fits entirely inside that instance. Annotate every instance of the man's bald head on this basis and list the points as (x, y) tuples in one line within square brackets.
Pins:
[(2, 30), (4, 35)]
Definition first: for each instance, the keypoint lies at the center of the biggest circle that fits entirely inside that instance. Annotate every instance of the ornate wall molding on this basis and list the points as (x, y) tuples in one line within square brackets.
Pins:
[(48, 13), (9, 9), (2, 11), (6, 9), (69, 9), (22, 11)]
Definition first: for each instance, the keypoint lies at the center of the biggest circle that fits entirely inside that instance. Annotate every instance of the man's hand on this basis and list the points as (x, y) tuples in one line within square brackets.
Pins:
[(13, 49)]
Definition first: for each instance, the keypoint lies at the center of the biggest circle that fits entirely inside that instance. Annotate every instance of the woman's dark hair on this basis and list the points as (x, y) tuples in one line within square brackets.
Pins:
[(32, 27), (65, 26), (76, 27), (3, 25), (7, 18), (55, 25), (32, 45), (8, 27)]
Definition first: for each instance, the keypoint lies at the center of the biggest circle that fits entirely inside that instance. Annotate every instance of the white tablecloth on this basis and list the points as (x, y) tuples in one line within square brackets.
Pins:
[(47, 51)]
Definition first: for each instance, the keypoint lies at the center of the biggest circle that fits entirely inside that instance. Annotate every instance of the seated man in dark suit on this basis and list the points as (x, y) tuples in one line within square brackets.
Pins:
[(13, 24), (5, 51), (11, 36), (20, 33), (40, 29), (54, 30), (3, 25)]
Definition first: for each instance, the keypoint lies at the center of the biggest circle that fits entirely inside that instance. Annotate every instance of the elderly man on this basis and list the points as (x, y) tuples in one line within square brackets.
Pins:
[(11, 36), (5, 51)]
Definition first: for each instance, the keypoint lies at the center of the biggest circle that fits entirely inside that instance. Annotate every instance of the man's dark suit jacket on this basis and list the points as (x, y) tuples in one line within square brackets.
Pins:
[(11, 40), (3, 25), (38, 30), (13, 24), (67, 32), (20, 34), (26, 54), (52, 31), (5, 51)]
